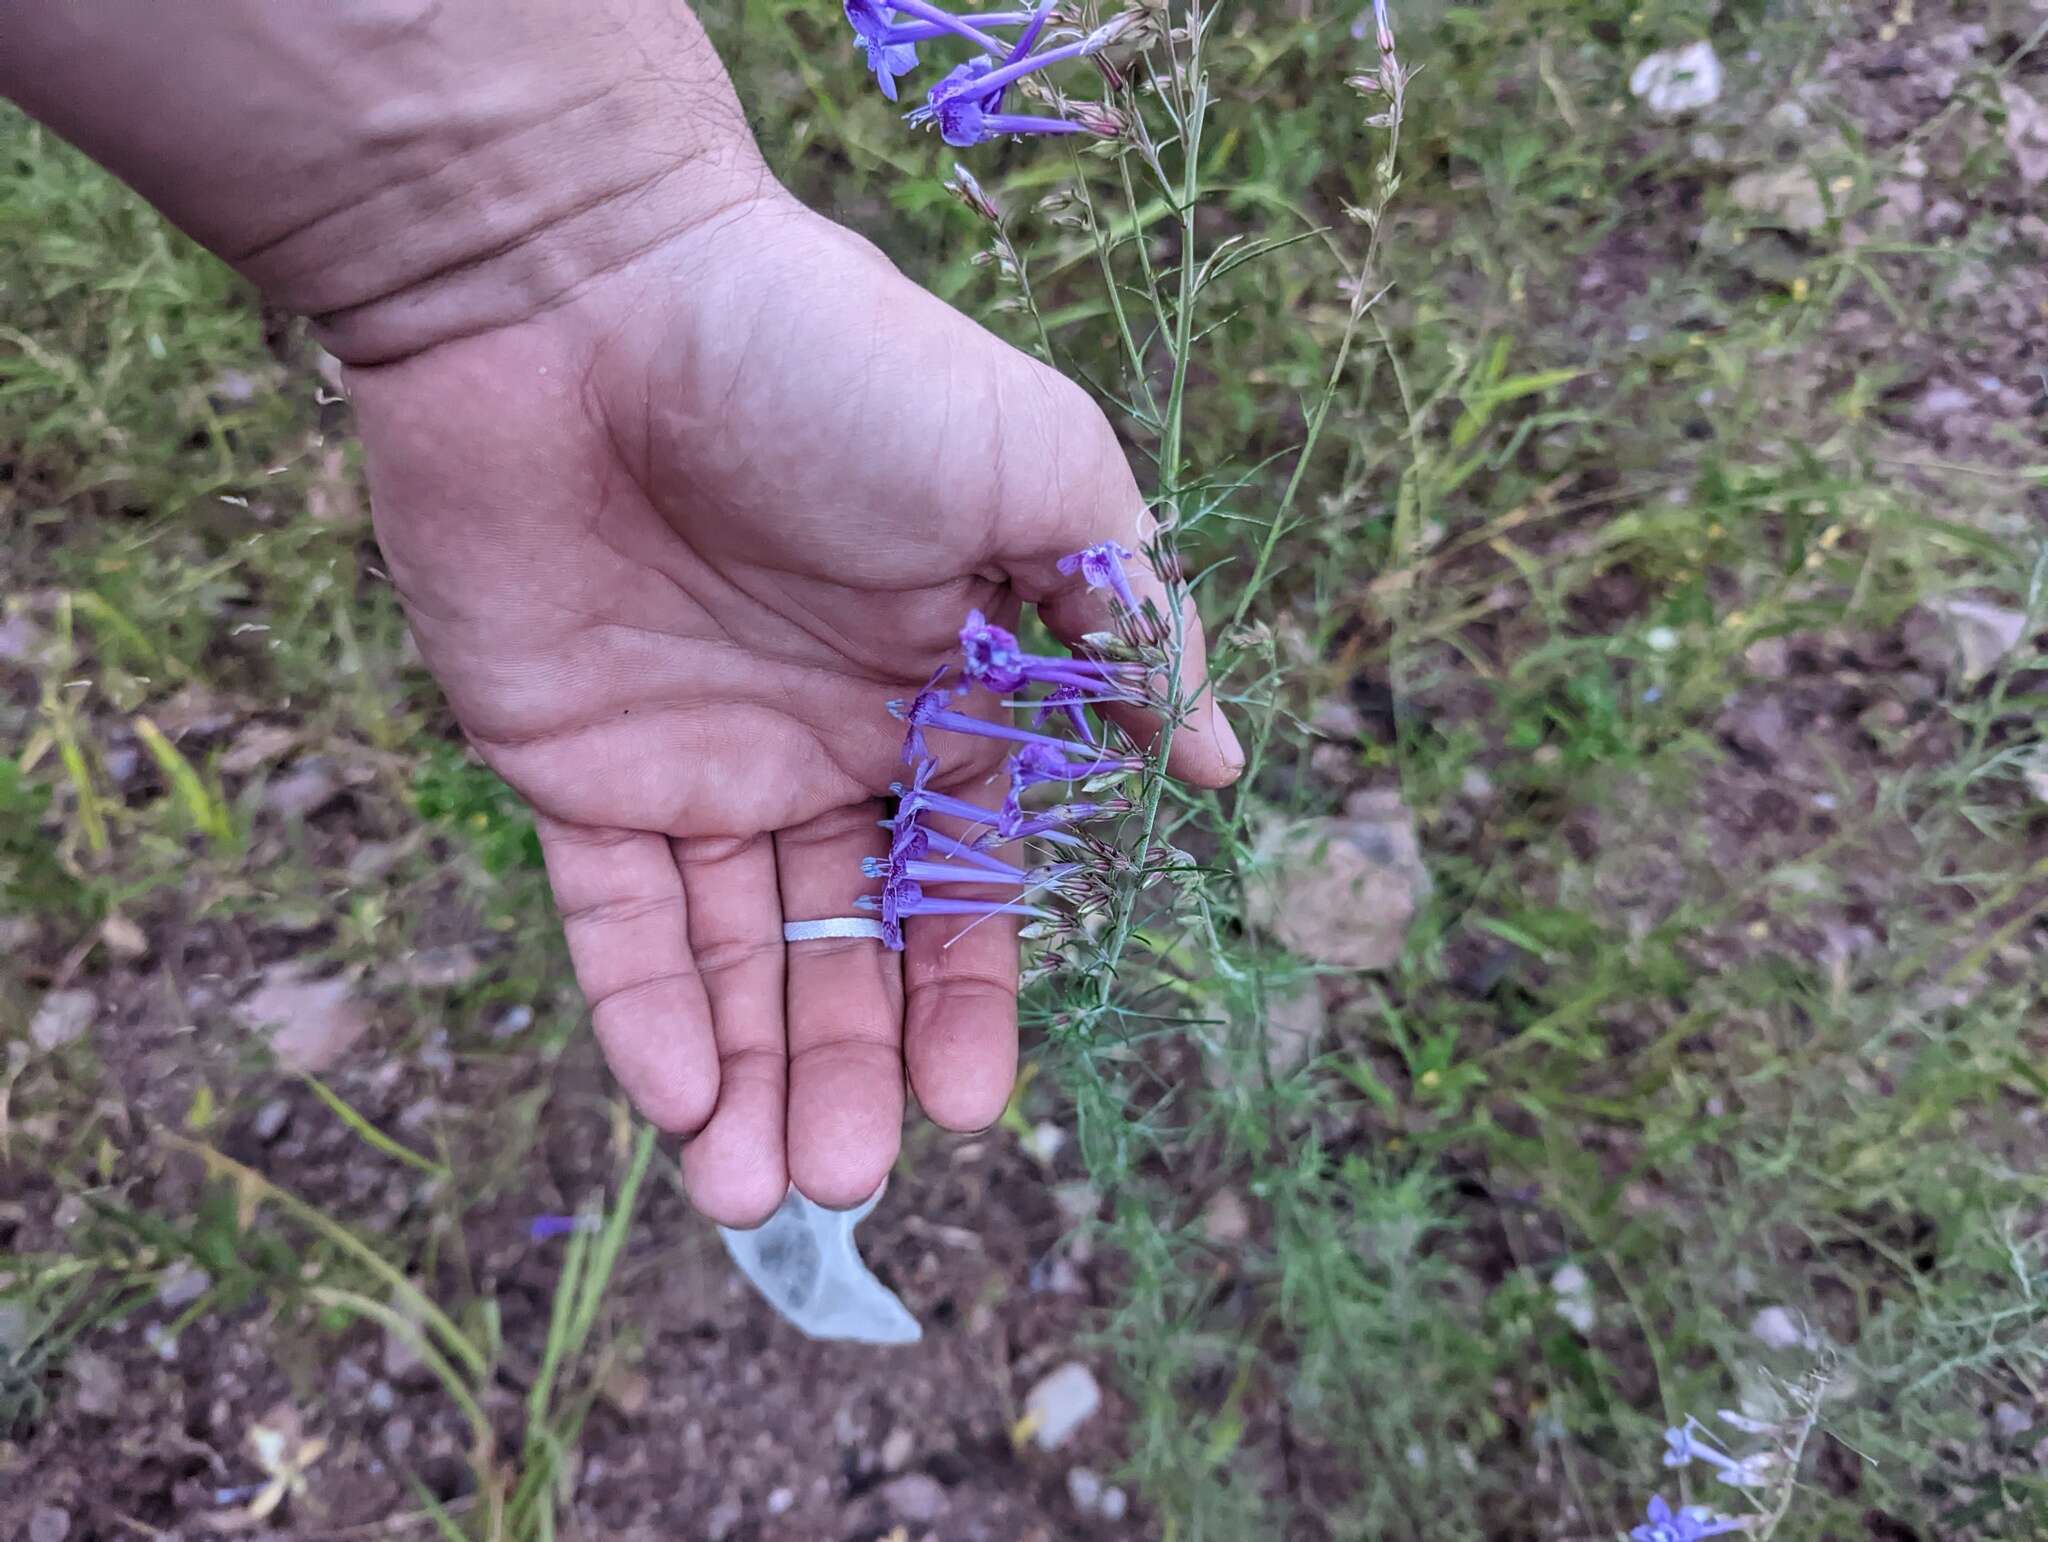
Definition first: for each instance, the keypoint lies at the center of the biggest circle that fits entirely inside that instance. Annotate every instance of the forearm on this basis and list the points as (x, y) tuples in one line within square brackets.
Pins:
[(403, 171)]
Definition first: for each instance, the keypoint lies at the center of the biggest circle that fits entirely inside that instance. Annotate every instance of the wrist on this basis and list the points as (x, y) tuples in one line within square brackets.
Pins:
[(404, 173)]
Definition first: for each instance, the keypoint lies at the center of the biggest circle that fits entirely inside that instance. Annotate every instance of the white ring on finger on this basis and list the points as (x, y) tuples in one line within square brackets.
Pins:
[(832, 927)]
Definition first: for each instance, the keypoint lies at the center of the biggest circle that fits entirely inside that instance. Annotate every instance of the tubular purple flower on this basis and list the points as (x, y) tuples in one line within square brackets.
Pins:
[(966, 851), (1102, 566), (992, 657), (967, 103), (958, 872), (1068, 702), (1045, 760), (902, 899), (1664, 1524), (924, 713)]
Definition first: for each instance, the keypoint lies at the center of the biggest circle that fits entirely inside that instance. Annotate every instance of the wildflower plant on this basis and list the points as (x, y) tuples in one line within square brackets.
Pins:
[(1129, 887)]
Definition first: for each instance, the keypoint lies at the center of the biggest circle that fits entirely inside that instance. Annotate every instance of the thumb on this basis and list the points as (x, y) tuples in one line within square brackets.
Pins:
[(1094, 503)]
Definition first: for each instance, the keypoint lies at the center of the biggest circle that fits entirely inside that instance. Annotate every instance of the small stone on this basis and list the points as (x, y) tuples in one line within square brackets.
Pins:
[(258, 745), (400, 1360), (442, 968), (1061, 1403), (1225, 1221), (271, 1119), (17, 1328), (512, 1022), (2033, 230), (382, 1397), (398, 1435), (2011, 1421), (781, 1501), (1786, 197), (123, 938), (97, 1385), (20, 639), (1676, 81), (49, 1524), (1341, 891), (304, 790), (2034, 772), (897, 1449), (62, 1018), (1114, 1503), (1788, 117), (312, 1024), (915, 1497), (1475, 785), (2026, 131), (1776, 1328), (1982, 634), (723, 1520), (1571, 1291), (628, 1391), (1084, 1489), (181, 1285)]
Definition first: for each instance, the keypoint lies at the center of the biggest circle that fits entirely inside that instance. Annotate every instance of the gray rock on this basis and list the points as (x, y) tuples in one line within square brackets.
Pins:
[(442, 968), (62, 1018), (18, 1328), (723, 1520), (2011, 1421), (1787, 197), (311, 1024), (915, 1497), (1114, 1503), (1341, 891), (1571, 1292), (1061, 1403), (97, 1385), (49, 1524)]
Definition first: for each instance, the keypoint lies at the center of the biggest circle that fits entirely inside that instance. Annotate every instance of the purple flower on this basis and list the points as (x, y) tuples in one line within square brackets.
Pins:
[(1102, 565), (1068, 702), (992, 657), (904, 898), (1688, 1525), (1683, 1447), (545, 1228), (888, 53), (927, 710), (967, 103)]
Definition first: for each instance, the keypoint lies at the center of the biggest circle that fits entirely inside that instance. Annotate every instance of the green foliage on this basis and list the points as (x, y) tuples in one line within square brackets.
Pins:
[(477, 806)]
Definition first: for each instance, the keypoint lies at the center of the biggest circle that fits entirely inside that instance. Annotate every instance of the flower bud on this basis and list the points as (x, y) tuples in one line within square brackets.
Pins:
[(963, 187)]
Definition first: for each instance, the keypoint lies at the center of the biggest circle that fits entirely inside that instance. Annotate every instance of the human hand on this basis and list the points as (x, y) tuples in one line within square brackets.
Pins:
[(669, 548), (679, 484)]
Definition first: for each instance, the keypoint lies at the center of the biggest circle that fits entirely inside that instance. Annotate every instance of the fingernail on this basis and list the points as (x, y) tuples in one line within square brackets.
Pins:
[(1226, 742)]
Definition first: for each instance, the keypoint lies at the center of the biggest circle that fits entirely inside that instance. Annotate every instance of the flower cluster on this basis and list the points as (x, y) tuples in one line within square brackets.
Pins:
[(1683, 1446), (923, 860), (967, 103)]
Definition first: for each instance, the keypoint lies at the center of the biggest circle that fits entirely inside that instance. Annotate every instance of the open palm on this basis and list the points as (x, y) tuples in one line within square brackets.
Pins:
[(669, 547)]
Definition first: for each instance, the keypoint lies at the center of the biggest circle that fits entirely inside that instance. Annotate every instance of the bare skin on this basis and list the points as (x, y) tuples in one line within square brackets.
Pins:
[(678, 489)]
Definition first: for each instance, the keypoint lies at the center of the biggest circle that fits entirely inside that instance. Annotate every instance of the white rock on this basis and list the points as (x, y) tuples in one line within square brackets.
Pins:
[(1114, 1503), (1084, 1489), (1787, 197), (98, 1388), (182, 1284), (312, 1024), (1571, 1291), (1676, 81), (2026, 132), (49, 1524), (1777, 1328), (898, 1449), (1225, 1221), (1341, 891), (1061, 1403), (62, 1018), (1983, 634), (915, 1496)]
